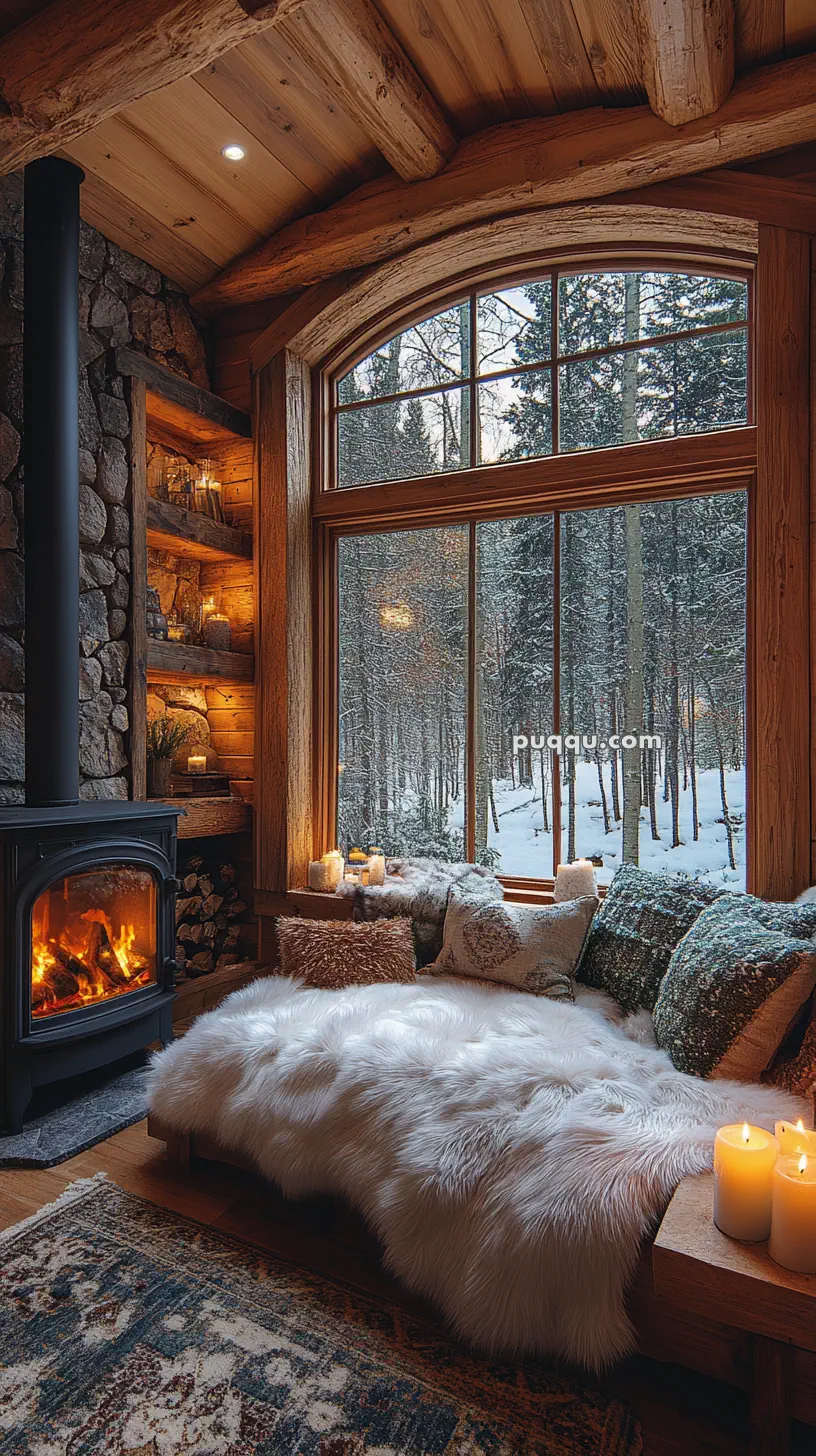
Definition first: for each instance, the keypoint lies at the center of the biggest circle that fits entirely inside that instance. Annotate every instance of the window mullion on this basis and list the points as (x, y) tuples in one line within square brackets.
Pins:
[(555, 769), (470, 732)]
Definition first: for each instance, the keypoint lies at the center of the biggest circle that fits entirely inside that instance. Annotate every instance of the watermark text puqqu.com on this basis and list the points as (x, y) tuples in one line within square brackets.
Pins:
[(585, 742)]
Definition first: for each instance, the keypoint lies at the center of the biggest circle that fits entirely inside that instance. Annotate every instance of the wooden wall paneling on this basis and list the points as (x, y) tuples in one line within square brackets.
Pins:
[(233, 333), (233, 586), (558, 41), (779, 735), (283, 742), (233, 465), (137, 680)]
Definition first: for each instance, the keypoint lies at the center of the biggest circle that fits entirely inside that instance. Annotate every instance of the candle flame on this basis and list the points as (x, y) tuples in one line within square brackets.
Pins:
[(800, 1126), (746, 1133), (803, 1163)]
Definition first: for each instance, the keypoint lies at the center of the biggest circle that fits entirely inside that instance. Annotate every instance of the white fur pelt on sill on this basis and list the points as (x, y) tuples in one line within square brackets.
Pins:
[(511, 1152)]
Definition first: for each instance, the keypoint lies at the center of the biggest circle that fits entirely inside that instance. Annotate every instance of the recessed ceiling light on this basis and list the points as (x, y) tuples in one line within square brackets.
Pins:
[(233, 153)]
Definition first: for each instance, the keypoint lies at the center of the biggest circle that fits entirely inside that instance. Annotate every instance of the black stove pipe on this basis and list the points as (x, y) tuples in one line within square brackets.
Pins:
[(51, 424)]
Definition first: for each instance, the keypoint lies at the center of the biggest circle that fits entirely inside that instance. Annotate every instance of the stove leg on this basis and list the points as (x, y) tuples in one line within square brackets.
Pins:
[(18, 1096)]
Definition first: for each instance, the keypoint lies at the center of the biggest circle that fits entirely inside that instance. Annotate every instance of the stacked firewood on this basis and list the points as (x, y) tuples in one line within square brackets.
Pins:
[(208, 915)]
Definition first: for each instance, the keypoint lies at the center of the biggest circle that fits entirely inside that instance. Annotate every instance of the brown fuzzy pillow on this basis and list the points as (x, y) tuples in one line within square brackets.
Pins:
[(330, 954)]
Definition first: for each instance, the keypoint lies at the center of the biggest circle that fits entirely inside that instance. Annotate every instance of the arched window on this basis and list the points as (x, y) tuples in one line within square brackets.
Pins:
[(573, 361), (530, 660)]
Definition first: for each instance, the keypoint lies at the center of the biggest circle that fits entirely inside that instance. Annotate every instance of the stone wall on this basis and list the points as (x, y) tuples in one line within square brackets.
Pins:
[(121, 301)]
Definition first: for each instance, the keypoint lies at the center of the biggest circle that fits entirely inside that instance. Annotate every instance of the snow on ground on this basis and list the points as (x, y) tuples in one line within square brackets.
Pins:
[(527, 851)]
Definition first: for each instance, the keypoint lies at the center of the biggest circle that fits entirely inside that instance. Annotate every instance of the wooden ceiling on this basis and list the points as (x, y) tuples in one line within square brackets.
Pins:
[(156, 181)]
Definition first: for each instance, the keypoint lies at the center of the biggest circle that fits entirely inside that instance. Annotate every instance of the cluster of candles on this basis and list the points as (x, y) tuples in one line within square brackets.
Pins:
[(363, 869), (765, 1188)]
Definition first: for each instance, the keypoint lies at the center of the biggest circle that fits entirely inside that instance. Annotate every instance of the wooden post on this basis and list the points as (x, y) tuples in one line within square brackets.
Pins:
[(779, 676), (283, 593), (137, 689)]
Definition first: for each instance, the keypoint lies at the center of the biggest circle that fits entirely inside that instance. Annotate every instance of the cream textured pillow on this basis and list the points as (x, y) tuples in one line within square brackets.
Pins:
[(330, 954), (534, 948)]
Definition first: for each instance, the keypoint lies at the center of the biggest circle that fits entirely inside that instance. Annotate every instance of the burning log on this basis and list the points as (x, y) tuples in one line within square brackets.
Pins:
[(100, 956)]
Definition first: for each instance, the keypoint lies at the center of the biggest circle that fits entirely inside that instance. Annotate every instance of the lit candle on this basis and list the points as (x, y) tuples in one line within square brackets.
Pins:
[(197, 763), (793, 1221), (334, 865), (574, 881), (744, 1160), (794, 1139), (319, 876), (376, 867)]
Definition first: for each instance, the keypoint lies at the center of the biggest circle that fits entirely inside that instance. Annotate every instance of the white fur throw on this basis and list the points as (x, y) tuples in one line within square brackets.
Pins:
[(510, 1152)]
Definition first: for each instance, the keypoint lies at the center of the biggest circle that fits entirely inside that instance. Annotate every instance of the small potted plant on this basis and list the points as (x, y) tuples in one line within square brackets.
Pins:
[(164, 736)]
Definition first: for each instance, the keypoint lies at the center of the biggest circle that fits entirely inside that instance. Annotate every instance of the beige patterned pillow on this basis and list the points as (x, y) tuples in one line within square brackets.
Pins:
[(534, 948), (329, 954)]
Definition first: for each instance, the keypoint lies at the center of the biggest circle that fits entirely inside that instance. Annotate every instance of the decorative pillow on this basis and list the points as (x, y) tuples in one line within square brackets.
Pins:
[(334, 953), (733, 987), (534, 948), (639, 925)]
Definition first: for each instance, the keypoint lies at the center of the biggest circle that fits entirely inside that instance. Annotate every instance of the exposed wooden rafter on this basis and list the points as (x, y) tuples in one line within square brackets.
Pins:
[(75, 63), (522, 165), (687, 52), (355, 55)]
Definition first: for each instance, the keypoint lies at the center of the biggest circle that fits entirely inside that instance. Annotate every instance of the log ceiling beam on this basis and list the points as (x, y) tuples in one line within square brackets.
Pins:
[(687, 53), (75, 63), (350, 48), (512, 168)]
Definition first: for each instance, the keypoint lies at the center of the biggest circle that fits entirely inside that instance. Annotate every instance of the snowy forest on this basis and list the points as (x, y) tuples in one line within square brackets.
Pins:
[(650, 598)]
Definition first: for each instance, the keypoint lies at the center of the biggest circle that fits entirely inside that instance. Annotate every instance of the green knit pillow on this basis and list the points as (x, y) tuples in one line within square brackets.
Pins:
[(734, 985), (642, 919)]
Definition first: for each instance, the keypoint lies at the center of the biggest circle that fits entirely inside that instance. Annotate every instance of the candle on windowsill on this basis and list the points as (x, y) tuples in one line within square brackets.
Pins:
[(197, 763), (574, 881), (793, 1216), (334, 865), (320, 876), (376, 866), (744, 1159), (795, 1139)]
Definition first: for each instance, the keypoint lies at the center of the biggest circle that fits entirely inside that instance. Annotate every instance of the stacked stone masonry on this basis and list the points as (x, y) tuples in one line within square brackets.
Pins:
[(121, 301)]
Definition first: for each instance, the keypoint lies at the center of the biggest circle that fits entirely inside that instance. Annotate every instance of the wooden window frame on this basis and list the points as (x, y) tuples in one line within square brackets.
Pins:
[(685, 466), (298, 519)]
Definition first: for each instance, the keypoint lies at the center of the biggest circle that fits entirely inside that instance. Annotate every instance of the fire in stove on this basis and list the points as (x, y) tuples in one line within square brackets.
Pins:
[(78, 956)]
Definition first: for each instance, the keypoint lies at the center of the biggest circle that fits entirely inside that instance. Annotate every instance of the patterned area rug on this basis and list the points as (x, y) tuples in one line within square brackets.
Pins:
[(53, 1134), (126, 1329)]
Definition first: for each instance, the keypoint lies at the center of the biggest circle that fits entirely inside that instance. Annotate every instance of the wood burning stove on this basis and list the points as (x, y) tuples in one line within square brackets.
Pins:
[(87, 890), (87, 928)]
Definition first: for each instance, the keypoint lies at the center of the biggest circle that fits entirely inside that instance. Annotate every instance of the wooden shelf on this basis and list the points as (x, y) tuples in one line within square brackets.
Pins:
[(173, 661), (203, 818), (189, 533), (202, 993), (179, 412)]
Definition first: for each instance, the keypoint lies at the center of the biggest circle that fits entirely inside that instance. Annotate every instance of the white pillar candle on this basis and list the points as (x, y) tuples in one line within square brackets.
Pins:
[(793, 1220), (197, 763), (794, 1139), (744, 1160), (574, 881), (334, 863), (376, 867), (319, 876)]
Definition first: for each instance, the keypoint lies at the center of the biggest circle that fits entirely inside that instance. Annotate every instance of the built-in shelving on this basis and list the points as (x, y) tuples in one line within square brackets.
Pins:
[(206, 817), (175, 661), (170, 410), (188, 533)]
